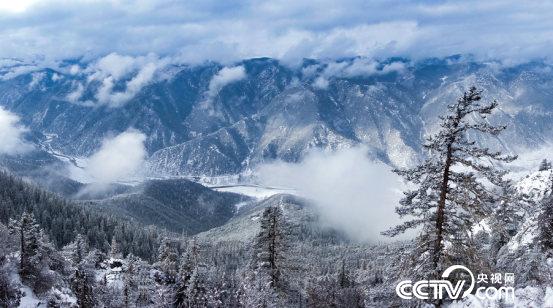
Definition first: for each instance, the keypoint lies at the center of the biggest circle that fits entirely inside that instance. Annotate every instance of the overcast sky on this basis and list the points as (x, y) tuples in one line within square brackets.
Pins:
[(228, 30)]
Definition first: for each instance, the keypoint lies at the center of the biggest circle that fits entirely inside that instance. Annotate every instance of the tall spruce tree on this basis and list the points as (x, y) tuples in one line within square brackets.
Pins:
[(545, 226), (456, 186), (31, 256), (507, 217), (266, 286), (82, 284), (168, 260), (187, 265), (545, 165)]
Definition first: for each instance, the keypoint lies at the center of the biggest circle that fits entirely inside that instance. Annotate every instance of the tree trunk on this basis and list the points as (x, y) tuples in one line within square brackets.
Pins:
[(440, 214), (441, 210)]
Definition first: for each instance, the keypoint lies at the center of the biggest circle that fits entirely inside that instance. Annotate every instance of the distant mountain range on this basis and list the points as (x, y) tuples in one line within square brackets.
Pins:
[(278, 112)]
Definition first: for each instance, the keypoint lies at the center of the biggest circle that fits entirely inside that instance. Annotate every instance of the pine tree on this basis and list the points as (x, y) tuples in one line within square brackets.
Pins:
[(450, 196), (77, 250), (115, 249), (545, 165), (83, 286), (507, 217), (31, 254), (266, 285), (168, 261), (130, 283), (197, 289), (145, 284), (10, 293), (187, 265), (545, 226)]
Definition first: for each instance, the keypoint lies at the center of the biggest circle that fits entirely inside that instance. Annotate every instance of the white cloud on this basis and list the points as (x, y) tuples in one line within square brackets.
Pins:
[(76, 94), (113, 65), (36, 79), (353, 192), (225, 76), (11, 134), (135, 72), (118, 158), (203, 30), (320, 83), (14, 71), (358, 67)]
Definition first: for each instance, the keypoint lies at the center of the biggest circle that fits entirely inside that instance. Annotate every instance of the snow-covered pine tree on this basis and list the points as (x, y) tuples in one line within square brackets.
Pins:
[(10, 293), (82, 283), (451, 196), (130, 281), (145, 284), (77, 250), (545, 165), (197, 288), (507, 217), (31, 256), (115, 251), (168, 261), (545, 226), (186, 268), (265, 283)]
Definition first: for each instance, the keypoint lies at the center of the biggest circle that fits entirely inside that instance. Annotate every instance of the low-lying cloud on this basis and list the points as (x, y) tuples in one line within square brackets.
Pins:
[(134, 72), (354, 193), (359, 67), (225, 76), (119, 158), (12, 134)]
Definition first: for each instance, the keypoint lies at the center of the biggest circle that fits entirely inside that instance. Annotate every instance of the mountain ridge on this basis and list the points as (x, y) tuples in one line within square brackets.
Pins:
[(280, 112)]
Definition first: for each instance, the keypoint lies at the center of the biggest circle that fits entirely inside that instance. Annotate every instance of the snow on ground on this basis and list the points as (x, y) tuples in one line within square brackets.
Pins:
[(536, 185), (525, 297), (254, 191), (30, 299)]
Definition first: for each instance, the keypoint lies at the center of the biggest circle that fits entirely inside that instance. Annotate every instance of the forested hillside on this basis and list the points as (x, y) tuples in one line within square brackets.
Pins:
[(62, 220), (178, 205)]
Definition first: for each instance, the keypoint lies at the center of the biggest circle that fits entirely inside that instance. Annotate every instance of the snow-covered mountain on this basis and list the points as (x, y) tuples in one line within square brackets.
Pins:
[(202, 120)]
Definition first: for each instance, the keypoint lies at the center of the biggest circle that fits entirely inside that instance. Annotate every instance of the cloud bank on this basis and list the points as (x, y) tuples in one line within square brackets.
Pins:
[(225, 76), (133, 72), (118, 158), (11, 134), (353, 192), (359, 67), (199, 30)]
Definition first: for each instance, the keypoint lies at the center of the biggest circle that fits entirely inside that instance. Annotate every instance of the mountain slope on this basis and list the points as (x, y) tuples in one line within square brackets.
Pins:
[(63, 220), (177, 205), (278, 112)]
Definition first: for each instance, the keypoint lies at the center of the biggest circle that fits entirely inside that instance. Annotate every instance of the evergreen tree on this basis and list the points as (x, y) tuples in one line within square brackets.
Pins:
[(545, 165), (31, 253), (450, 196), (266, 286), (115, 249), (145, 284), (545, 226), (83, 286), (77, 250), (187, 265), (10, 294), (197, 289), (507, 217), (130, 282), (168, 261)]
